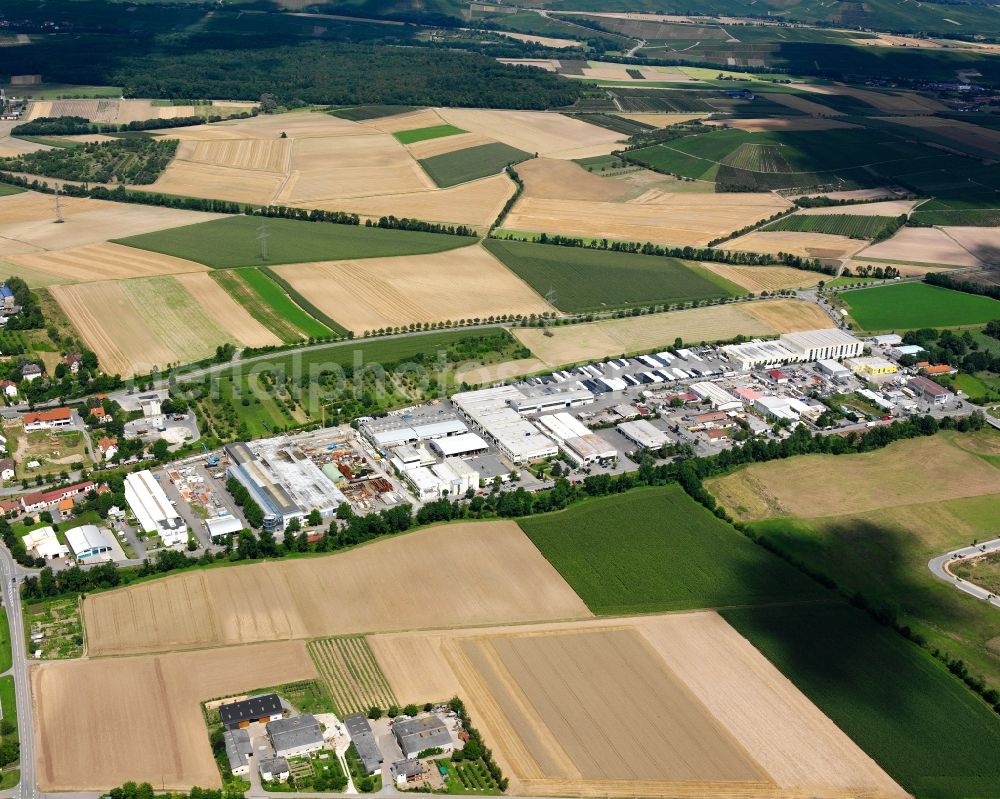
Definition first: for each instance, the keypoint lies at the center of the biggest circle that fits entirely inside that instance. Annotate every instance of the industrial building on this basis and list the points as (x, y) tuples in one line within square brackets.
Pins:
[(416, 735), (364, 742), (238, 750), (871, 366), (464, 445), (878, 399), (928, 390), (222, 527), (576, 440), (43, 543), (90, 542), (780, 408), (383, 433), (818, 345), (491, 412), (283, 480), (153, 511), (297, 735), (643, 434), (834, 369), (757, 353), (718, 397), (453, 476), (255, 709), (541, 399)]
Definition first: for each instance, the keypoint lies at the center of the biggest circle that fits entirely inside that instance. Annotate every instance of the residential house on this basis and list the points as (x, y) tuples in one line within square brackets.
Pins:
[(274, 768), (73, 362), (7, 301), (98, 414), (9, 388), (108, 447), (47, 420), (41, 500), (31, 371)]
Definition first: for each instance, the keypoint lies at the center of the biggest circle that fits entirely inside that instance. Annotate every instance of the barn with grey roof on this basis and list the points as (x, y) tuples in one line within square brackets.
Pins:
[(416, 735)]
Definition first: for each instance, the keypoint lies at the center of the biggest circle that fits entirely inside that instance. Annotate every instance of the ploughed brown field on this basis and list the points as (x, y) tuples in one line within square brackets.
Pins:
[(459, 585)]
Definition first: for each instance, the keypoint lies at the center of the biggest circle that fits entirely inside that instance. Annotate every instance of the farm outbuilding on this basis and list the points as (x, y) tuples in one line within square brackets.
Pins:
[(364, 742), (261, 709), (238, 750), (416, 735), (297, 735), (274, 768)]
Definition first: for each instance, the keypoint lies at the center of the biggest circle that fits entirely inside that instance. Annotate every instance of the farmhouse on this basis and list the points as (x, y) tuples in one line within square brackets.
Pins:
[(99, 413), (7, 301), (89, 542), (9, 388), (40, 500), (643, 434), (364, 742), (274, 768), (43, 543), (108, 447), (153, 510), (295, 736), (31, 371), (73, 362), (48, 420), (238, 750), (260, 709), (6, 469), (416, 735), (928, 390)]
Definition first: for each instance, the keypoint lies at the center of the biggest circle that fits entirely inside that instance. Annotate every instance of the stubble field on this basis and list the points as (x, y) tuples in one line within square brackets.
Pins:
[(139, 697), (921, 246), (765, 278), (373, 293), (806, 245), (98, 262), (655, 705), (227, 312), (918, 470), (338, 594)]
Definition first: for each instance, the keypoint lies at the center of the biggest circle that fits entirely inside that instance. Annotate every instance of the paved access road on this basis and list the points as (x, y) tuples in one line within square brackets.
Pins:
[(22, 691), (939, 567)]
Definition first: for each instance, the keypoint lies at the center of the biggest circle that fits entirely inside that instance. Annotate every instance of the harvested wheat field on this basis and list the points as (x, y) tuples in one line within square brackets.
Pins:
[(613, 337), (193, 179), (546, 41), (142, 696), (781, 123), (921, 245), (542, 132), (899, 102), (905, 270), (374, 293), (799, 103), (661, 120), (656, 216), (476, 203), (135, 325), (339, 594), (886, 208), (675, 705), (428, 148), (414, 120), (982, 242), (556, 179), (265, 155), (104, 261), (918, 470), (27, 219), (295, 124), (808, 245), (350, 166), (789, 316), (765, 278), (217, 303)]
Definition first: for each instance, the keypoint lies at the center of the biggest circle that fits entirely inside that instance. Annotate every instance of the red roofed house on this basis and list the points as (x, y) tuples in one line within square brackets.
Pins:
[(73, 362), (46, 420), (99, 413), (40, 500), (940, 369), (778, 376), (108, 447)]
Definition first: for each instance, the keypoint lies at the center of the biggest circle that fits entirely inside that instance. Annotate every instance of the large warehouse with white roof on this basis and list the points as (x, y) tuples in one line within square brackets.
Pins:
[(153, 511)]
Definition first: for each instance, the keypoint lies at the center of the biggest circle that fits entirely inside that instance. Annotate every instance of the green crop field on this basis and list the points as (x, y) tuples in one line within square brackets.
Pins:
[(6, 657), (6, 189), (927, 730), (656, 549), (472, 163), (913, 305), (231, 242), (358, 113), (266, 302), (423, 134), (587, 280), (869, 228)]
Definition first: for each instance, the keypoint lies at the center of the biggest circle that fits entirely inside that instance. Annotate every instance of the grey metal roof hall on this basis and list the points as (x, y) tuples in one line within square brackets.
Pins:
[(416, 735), (293, 733), (238, 747), (364, 741), (252, 709)]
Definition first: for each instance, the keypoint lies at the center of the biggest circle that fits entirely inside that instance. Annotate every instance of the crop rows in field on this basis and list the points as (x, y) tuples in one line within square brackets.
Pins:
[(265, 302), (472, 163), (869, 228), (758, 158), (351, 674)]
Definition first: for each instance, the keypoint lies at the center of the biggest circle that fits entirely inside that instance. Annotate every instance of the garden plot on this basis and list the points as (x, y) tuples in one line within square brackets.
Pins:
[(375, 293), (339, 594), (134, 696), (676, 705), (921, 246), (541, 132)]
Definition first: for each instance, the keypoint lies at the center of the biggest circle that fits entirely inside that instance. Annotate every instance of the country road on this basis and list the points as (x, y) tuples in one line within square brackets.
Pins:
[(939, 567), (22, 690)]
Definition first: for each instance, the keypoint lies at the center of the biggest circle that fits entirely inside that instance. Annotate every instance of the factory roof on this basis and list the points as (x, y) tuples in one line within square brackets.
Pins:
[(150, 505), (760, 351), (716, 394), (643, 433), (563, 426), (459, 445), (590, 447), (927, 386), (87, 538), (446, 427), (826, 337)]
